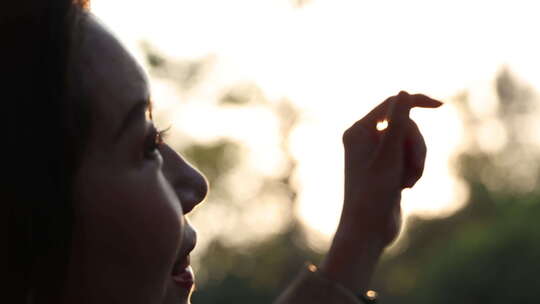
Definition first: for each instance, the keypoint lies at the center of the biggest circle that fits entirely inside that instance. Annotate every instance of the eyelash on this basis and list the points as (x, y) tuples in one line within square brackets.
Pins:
[(154, 141)]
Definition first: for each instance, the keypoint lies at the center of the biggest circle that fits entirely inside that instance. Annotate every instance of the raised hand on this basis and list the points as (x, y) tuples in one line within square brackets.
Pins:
[(378, 165)]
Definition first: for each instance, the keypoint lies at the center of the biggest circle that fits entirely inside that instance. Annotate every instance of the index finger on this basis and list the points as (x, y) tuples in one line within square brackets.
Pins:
[(423, 101), (401, 106), (386, 108)]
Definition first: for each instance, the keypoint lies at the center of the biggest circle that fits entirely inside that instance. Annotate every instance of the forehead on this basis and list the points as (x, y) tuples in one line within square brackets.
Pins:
[(112, 78)]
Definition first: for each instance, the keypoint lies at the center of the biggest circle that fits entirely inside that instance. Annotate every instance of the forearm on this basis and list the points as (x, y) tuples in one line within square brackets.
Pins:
[(352, 258), (378, 165), (361, 237)]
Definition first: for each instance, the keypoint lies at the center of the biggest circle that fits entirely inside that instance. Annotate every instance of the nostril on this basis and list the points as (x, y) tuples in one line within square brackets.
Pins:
[(192, 192), (188, 199)]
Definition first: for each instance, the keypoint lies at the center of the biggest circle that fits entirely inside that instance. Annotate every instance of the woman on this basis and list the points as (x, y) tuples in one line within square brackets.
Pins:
[(96, 201)]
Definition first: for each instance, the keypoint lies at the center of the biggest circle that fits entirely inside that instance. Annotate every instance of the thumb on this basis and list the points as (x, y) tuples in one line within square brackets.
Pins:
[(414, 155)]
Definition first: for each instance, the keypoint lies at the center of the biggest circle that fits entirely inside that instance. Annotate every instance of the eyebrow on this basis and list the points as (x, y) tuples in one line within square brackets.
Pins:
[(132, 116)]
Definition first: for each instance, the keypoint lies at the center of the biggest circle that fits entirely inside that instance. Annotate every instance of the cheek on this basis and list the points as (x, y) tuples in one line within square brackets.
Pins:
[(132, 224)]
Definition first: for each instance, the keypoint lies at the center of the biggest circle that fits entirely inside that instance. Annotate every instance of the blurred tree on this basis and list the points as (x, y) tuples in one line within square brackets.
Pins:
[(215, 159), (242, 94), (485, 253), (186, 74)]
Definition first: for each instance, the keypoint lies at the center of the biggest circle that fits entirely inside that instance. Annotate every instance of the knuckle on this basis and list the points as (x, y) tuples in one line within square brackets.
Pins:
[(347, 137), (356, 134)]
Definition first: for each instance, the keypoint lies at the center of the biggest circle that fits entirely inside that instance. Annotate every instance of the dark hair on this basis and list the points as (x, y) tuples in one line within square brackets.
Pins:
[(45, 127)]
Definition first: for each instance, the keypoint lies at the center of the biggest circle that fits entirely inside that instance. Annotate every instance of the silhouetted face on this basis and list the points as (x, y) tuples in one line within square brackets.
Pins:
[(131, 240)]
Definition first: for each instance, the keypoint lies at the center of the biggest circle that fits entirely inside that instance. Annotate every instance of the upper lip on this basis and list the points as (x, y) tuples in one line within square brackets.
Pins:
[(188, 244), (189, 200)]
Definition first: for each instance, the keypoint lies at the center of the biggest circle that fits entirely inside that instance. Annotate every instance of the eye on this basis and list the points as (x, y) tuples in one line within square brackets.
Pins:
[(153, 142)]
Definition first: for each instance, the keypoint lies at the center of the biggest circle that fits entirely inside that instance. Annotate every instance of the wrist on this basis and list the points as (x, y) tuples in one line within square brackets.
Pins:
[(365, 296), (363, 229), (360, 242), (371, 219), (352, 260)]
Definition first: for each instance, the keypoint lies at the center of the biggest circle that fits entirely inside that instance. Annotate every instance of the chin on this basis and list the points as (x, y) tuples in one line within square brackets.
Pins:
[(177, 294)]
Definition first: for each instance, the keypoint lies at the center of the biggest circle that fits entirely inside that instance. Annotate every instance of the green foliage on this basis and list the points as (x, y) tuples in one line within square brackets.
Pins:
[(214, 159), (485, 253), (489, 261), (243, 94), (186, 74), (255, 273)]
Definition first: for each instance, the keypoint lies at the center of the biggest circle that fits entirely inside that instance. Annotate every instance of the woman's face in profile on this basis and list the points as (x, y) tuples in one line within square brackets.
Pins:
[(130, 241)]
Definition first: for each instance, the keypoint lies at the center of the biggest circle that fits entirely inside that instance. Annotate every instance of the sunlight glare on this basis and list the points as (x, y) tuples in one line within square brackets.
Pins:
[(335, 60), (382, 125)]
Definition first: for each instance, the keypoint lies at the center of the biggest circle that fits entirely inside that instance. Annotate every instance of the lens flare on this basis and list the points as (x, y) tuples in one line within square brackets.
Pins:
[(382, 125)]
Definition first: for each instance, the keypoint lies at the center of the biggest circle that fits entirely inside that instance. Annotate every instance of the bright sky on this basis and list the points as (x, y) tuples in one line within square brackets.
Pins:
[(336, 59)]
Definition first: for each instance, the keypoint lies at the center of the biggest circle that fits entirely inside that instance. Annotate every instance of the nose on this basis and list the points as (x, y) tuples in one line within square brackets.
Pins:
[(188, 183)]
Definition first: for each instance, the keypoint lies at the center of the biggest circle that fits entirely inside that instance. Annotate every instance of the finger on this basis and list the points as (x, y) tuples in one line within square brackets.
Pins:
[(379, 113), (398, 120), (399, 109), (414, 156), (383, 110), (402, 104), (367, 125), (391, 146), (423, 101)]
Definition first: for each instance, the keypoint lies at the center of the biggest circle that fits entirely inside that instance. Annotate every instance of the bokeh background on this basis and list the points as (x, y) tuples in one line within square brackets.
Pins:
[(257, 93)]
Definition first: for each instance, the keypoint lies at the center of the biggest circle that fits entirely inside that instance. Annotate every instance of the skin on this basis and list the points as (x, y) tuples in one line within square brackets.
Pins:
[(131, 199), (378, 166)]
